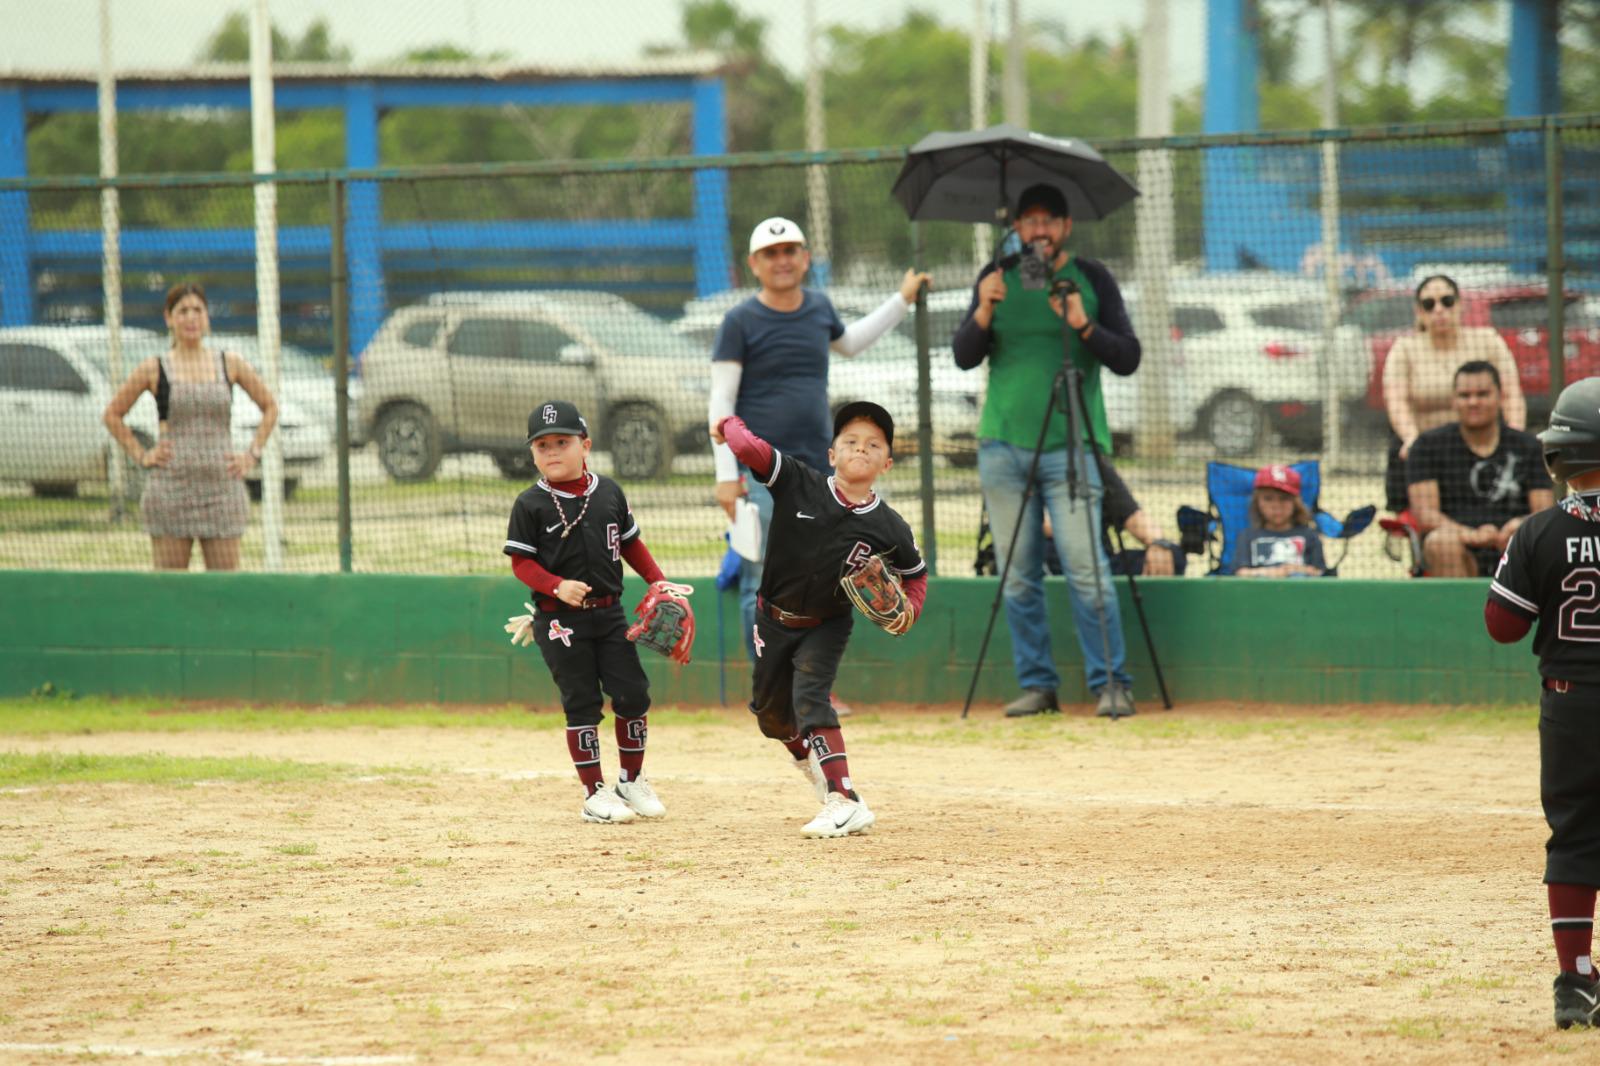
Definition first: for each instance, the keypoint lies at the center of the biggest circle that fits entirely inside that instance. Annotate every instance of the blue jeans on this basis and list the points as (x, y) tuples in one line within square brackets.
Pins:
[(1003, 472), (750, 573)]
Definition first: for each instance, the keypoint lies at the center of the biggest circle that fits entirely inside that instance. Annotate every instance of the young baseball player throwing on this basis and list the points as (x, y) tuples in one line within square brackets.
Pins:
[(1550, 573), (832, 542), (568, 536)]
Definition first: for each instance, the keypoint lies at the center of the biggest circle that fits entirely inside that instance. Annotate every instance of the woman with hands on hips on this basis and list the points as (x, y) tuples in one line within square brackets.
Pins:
[(194, 489)]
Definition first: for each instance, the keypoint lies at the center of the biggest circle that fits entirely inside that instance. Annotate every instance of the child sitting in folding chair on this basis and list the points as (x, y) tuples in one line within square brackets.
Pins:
[(1282, 540)]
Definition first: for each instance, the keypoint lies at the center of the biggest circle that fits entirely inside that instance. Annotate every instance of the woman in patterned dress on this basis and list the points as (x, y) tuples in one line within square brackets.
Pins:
[(195, 486)]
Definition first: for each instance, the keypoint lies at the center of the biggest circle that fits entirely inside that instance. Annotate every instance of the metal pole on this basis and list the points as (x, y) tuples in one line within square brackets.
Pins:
[(263, 152), (930, 544), (1014, 87), (340, 310), (1555, 259), (111, 251), (1330, 371), (978, 100), (819, 220), (1153, 250)]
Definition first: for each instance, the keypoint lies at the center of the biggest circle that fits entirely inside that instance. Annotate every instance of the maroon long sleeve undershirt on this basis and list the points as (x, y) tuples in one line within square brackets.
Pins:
[(748, 448), (1505, 625)]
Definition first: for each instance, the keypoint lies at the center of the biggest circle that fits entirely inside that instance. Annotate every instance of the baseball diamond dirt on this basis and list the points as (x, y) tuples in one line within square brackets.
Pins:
[(1214, 884)]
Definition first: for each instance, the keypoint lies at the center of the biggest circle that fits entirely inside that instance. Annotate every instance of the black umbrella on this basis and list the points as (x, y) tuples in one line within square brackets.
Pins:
[(973, 176)]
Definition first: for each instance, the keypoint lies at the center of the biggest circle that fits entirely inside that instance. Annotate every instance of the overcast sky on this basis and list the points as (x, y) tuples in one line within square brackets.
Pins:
[(42, 35)]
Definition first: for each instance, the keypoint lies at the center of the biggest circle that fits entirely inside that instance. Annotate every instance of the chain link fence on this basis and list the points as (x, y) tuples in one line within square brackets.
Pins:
[(469, 295)]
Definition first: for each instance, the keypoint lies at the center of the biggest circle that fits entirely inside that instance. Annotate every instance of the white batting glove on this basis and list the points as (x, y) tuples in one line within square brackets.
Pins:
[(520, 626)]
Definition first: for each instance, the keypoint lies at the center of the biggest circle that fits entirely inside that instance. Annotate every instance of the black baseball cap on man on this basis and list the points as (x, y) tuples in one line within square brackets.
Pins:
[(557, 416), (1048, 197), (872, 413)]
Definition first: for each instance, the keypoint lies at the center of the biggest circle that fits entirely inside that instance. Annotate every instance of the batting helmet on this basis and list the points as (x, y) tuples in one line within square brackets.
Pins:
[(1572, 443)]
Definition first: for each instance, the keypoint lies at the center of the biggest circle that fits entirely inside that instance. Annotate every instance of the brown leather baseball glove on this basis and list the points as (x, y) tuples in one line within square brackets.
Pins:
[(876, 592)]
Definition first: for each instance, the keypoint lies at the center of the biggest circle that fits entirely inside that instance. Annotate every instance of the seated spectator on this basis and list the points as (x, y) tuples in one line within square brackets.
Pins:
[(1417, 376), (1472, 481), (1282, 539), (1159, 557)]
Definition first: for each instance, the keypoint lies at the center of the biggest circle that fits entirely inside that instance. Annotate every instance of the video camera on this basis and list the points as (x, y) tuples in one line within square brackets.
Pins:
[(1033, 263)]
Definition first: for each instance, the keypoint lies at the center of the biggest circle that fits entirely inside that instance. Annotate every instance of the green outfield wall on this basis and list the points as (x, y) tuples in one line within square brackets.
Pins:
[(340, 638)]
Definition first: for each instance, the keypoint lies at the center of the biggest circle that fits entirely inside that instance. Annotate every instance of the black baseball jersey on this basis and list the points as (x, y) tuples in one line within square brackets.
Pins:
[(577, 537), (1551, 572), (815, 538)]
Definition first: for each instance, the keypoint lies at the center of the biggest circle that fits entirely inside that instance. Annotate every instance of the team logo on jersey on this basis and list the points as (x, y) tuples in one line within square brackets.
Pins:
[(613, 541), (860, 552), (548, 414), (560, 632), (759, 643)]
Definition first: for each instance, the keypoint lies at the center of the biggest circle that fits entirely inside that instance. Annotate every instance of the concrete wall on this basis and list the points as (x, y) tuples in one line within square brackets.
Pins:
[(379, 638)]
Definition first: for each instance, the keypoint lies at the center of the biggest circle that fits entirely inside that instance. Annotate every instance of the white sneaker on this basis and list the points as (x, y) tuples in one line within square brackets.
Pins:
[(605, 805), (639, 796), (840, 816), (811, 770)]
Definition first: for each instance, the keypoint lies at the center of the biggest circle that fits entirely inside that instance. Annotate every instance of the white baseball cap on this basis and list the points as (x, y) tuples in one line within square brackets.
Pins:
[(774, 230)]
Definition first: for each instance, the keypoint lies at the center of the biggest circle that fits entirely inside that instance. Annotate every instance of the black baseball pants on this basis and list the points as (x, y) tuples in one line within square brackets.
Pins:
[(794, 674), (588, 651)]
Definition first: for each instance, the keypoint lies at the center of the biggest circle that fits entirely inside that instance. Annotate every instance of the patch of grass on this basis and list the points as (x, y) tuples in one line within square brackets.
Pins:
[(296, 849), (57, 768), (1431, 1027), (91, 715)]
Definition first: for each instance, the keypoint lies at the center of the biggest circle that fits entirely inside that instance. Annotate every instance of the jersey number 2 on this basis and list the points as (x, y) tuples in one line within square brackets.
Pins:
[(1579, 611)]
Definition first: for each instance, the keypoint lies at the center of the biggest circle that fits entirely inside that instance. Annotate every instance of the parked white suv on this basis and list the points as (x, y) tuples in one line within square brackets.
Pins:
[(54, 389)]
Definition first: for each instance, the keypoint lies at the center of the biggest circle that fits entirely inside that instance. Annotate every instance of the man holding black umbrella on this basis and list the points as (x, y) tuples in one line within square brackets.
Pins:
[(1016, 322)]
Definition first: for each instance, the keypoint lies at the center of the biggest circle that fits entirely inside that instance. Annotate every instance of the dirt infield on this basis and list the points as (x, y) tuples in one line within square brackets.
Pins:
[(1207, 885)]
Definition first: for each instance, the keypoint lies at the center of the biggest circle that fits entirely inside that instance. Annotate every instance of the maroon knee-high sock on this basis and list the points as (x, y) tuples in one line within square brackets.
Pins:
[(1572, 925), (799, 746), (829, 746), (583, 744), (631, 735)]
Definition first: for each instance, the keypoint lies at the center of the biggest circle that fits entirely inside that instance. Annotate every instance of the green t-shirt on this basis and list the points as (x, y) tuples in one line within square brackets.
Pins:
[(1023, 360)]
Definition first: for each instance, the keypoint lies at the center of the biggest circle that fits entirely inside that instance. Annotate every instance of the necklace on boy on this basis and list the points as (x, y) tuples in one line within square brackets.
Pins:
[(568, 527)]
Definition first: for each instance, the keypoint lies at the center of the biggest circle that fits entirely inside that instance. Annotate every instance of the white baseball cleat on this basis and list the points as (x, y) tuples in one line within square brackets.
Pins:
[(641, 798), (811, 770), (840, 816), (604, 805)]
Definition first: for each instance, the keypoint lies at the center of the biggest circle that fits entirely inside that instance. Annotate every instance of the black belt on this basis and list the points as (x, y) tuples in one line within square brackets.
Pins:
[(590, 604), (787, 618)]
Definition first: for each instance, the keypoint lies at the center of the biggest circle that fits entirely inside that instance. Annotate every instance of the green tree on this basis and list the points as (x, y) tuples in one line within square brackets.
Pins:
[(231, 43)]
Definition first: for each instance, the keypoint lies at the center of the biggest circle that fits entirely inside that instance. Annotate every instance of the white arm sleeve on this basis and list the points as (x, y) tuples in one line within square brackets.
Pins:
[(725, 375), (859, 335)]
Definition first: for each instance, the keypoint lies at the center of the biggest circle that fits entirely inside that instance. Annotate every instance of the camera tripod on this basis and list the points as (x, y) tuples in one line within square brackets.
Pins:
[(1066, 393)]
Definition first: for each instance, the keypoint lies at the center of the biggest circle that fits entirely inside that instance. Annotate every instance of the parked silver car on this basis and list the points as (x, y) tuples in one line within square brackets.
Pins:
[(54, 387), (460, 372)]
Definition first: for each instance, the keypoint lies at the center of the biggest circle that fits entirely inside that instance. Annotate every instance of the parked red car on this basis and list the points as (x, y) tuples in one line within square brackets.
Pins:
[(1519, 313)]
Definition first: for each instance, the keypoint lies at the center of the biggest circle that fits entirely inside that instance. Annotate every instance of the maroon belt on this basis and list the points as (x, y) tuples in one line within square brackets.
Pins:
[(590, 604), (1553, 685), (787, 618)]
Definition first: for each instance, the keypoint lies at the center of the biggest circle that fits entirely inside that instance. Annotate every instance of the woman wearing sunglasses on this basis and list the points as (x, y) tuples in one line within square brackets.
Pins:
[(1418, 378)]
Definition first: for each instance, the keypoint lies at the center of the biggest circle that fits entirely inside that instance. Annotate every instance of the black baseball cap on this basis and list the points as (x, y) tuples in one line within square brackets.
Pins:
[(557, 416), (871, 412), (1048, 197)]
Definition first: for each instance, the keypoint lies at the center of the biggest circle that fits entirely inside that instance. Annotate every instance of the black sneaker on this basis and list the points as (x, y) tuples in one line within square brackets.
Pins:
[(1115, 702), (1033, 701), (1577, 1000)]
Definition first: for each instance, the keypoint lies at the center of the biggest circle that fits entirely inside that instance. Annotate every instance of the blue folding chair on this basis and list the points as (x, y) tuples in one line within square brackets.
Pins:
[(1214, 532)]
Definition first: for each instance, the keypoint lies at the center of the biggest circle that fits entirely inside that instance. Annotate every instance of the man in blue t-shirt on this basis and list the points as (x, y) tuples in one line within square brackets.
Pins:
[(769, 366)]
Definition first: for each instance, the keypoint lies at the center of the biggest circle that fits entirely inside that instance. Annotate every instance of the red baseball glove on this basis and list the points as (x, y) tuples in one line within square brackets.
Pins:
[(665, 621)]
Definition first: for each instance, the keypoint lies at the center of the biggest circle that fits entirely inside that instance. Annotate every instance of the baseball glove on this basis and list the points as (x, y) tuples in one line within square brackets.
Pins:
[(665, 621), (520, 626), (876, 592)]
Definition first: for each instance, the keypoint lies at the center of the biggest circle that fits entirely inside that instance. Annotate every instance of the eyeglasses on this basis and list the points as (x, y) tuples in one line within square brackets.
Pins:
[(1427, 302)]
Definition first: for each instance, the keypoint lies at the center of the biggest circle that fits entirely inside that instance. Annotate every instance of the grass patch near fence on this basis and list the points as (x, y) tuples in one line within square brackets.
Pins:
[(56, 768)]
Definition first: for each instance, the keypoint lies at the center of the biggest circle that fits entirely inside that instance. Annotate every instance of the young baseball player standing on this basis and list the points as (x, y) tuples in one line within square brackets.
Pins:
[(823, 529), (568, 536), (1550, 574)]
